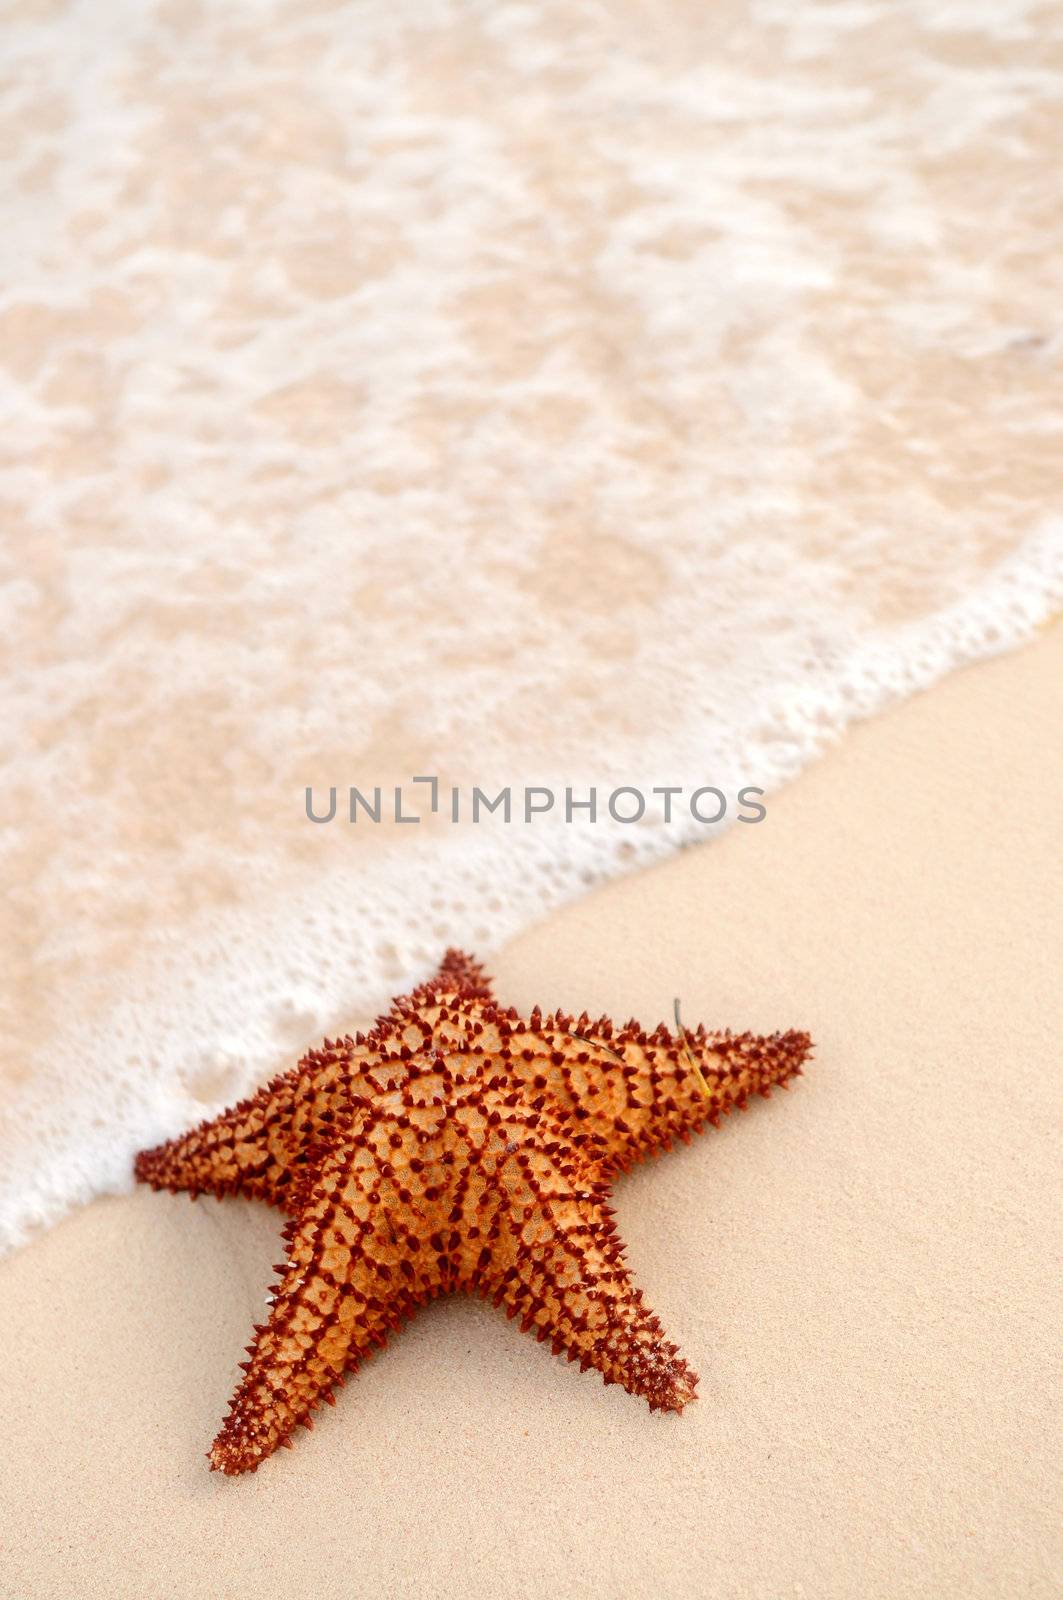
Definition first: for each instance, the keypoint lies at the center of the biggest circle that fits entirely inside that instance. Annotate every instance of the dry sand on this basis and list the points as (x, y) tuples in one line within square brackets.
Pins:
[(861, 1271)]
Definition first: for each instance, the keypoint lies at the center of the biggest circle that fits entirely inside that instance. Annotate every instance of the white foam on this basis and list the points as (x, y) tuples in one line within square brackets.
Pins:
[(501, 393)]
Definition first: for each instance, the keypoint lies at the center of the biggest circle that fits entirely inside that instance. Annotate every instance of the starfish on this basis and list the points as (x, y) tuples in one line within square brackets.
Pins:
[(459, 1146)]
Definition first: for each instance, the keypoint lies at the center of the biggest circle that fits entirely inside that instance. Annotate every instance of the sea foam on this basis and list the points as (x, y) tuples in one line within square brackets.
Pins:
[(517, 395)]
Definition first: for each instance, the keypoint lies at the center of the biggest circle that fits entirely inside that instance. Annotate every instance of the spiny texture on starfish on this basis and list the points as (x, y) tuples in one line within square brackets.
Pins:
[(459, 1146)]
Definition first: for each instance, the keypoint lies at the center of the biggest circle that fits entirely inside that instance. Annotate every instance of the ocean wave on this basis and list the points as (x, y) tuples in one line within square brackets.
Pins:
[(516, 396)]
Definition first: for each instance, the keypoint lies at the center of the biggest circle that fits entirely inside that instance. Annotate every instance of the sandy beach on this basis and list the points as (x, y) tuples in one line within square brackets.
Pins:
[(863, 1270), (452, 404)]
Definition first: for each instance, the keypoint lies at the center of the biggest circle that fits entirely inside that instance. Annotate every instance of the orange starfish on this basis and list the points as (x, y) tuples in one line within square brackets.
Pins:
[(459, 1146)]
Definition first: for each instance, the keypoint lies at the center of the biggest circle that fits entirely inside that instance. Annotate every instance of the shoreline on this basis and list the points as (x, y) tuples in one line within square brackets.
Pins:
[(860, 1270)]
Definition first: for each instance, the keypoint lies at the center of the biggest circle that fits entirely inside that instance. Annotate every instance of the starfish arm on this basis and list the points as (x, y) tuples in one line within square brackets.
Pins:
[(639, 1092), (259, 1147), (448, 1011), (674, 1084), (353, 1273), (558, 1265), (248, 1150), (461, 973), (255, 1148)]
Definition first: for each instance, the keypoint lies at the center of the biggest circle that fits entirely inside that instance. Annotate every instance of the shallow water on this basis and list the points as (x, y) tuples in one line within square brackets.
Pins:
[(552, 395)]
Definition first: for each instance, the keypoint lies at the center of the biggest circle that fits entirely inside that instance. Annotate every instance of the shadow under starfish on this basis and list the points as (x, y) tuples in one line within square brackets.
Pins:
[(459, 1146)]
